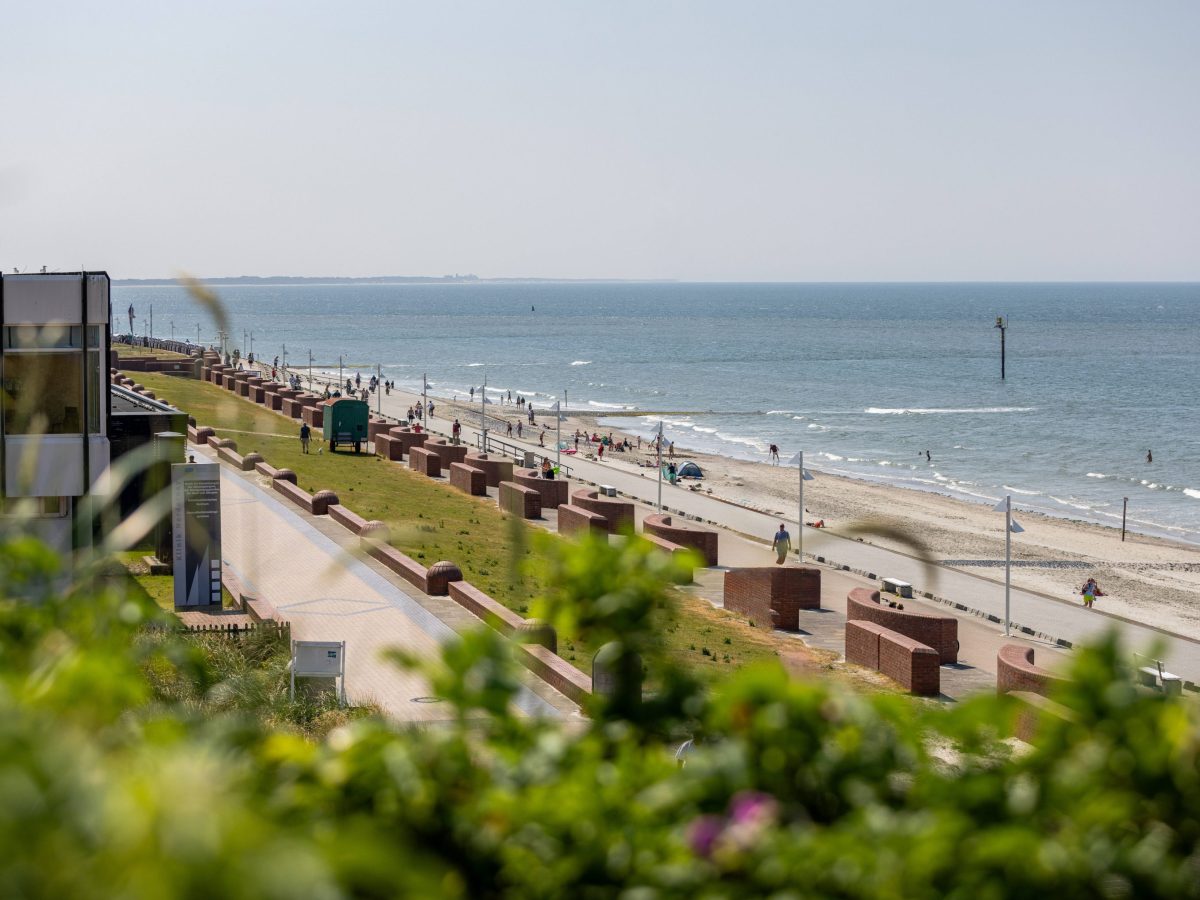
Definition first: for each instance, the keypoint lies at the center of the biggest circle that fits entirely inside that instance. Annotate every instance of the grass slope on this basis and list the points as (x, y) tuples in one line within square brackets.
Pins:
[(431, 522)]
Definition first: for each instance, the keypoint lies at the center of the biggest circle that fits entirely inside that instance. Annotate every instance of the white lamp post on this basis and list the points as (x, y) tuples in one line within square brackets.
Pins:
[(558, 432), (1011, 527), (659, 442), (802, 475), (483, 412)]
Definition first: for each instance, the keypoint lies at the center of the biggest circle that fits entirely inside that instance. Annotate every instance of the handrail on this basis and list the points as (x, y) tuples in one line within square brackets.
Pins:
[(517, 452)]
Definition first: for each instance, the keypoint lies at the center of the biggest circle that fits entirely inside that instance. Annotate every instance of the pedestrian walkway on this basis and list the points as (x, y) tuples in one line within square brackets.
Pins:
[(328, 593)]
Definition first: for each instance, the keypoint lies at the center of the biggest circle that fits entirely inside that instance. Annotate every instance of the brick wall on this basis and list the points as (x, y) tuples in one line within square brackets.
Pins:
[(468, 479), (523, 502), (756, 592), (314, 416), (554, 491), (938, 632), (576, 520), (862, 644), (388, 447), (1015, 671), (618, 513), (447, 453), (680, 532), (911, 663), (425, 462), (408, 439), (301, 498), (495, 470)]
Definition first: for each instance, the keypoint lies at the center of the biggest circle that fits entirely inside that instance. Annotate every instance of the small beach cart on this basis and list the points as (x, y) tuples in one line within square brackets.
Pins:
[(345, 422)]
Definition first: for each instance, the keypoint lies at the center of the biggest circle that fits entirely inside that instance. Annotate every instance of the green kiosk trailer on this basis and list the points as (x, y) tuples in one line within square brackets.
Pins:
[(345, 422)]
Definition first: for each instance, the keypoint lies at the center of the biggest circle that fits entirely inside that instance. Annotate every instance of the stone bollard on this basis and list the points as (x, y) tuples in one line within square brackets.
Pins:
[(374, 531), (203, 434), (321, 502), (536, 631), (192, 421), (438, 577), (617, 677), (227, 443), (250, 460), (284, 475)]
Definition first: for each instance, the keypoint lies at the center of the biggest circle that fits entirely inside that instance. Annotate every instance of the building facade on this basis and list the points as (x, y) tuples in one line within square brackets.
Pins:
[(54, 403)]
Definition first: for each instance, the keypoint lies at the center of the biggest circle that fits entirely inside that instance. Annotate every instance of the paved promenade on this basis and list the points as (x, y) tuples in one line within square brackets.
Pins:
[(328, 593), (1058, 618)]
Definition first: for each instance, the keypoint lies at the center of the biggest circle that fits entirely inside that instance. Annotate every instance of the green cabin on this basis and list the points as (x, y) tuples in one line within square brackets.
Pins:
[(345, 422)]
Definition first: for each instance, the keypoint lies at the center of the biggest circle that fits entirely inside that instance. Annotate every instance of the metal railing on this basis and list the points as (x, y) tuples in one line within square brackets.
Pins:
[(518, 451)]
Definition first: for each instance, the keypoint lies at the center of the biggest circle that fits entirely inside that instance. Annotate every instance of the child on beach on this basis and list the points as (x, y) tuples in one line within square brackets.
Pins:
[(1090, 592)]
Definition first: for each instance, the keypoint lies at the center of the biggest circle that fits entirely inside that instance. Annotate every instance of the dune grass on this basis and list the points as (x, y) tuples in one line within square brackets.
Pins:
[(430, 522)]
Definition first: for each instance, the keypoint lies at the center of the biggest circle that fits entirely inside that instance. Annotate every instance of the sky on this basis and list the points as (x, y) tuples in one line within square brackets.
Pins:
[(847, 141)]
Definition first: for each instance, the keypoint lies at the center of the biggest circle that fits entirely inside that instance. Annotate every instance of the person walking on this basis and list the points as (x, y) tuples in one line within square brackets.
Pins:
[(305, 434), (520, 428), (1090, 592), (782, 545), (600, 452), (510, 428), (456, 431), (774, 454)]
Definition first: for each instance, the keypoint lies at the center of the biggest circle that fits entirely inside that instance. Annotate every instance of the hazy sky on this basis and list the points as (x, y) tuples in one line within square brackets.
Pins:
[(725, 141)]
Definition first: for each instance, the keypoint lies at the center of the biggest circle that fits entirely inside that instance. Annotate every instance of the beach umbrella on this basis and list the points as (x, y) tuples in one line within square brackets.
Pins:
[(1011, 527), (802, 476)]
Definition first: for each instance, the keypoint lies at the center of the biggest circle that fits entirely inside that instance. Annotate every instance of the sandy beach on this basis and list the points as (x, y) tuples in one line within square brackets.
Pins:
[(1148, 579)]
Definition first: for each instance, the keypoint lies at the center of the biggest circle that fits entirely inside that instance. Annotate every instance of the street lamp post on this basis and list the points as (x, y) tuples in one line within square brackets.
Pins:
[(802, 475), (424, 400), (483, 412), (1124, 510), (197, 334), (659, 444), (379, 389), (172, 331), (1011, 527)]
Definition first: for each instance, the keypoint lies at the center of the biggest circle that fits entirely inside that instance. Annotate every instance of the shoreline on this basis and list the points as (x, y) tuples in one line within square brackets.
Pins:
[(1149, 578)]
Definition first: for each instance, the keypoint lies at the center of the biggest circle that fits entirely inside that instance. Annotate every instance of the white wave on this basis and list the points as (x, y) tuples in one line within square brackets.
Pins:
[(813, 426), (599, 405), (704, 430), (1070, 503), (582, 362), (1096, 475), (746, 442), (475, 365), (1192, 492), (1022, 491), (922, 411), (832, 457), (781, 412)]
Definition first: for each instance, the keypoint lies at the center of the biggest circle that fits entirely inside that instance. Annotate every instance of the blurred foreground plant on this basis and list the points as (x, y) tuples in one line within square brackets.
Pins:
[(138, 763)]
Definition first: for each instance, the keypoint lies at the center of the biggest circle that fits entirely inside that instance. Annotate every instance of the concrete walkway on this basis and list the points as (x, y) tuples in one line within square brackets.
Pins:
[(327, 592)]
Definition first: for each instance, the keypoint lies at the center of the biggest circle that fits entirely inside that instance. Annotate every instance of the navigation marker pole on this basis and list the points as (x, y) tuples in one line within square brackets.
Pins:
[(424, 401), (802, 475), (1124, 510), (558, 432), (1011, 527), (379, 389), (483, 412), (1002, 324)]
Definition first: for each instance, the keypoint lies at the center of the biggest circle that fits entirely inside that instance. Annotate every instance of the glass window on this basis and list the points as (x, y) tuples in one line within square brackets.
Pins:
[(42, 393), (93, 391), (43, 337), (33, 507)]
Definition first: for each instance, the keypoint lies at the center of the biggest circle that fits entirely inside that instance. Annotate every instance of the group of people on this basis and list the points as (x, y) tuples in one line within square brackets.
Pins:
[(414, 413)]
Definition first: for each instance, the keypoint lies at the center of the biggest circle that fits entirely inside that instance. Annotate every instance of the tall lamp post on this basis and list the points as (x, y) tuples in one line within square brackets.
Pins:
[(558, 432), (483, 412), (659, 444), (802, 475), (1011, 527), (424, 401)]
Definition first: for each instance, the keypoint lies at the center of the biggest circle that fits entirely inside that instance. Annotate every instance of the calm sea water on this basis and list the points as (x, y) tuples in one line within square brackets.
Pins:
[(863, 378)]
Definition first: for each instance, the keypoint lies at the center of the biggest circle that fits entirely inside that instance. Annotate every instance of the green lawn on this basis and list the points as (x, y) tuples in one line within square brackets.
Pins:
[(431, 521), (127, 350)]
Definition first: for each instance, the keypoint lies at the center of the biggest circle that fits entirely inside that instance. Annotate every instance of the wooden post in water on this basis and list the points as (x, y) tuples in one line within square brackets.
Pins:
[(1002, 324), (1124, 510)]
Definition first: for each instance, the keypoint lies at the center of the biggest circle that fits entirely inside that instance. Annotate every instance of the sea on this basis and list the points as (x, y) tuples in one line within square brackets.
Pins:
[(895, 383)]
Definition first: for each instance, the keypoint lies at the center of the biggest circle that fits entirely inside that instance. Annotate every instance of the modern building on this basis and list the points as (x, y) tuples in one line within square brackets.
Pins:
[(55, 403)]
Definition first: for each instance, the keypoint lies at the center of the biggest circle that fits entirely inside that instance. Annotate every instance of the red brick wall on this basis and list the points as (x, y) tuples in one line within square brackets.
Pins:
[(480, 604), (576, 520), (554, 491), (301, 498), (494, 468), (314, 416), (618, 513), (911, 663), (862, 644), (938, 632), (347, 518), (388, 447), (404, 566), (447, 453), (468, 479), (408, 439), (785, 590), (680, 532), (1015, 671), (523, 502), (425, 462)]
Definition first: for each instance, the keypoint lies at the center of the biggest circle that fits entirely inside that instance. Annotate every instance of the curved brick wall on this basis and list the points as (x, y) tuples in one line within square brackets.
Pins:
[(1015, 671), (684, 535), (554, 491), (447, 453), (495, 468), (619, 513), (938, 632)]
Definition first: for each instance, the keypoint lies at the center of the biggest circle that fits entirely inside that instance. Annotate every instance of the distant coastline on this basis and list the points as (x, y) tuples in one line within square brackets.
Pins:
[(252, 280)]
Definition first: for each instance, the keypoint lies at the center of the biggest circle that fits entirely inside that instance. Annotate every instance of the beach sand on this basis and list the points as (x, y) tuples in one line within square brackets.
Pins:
[(1151, 580)]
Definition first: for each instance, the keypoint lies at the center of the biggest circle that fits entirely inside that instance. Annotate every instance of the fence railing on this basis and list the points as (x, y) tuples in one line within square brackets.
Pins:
[(236, 630), (518, 451)]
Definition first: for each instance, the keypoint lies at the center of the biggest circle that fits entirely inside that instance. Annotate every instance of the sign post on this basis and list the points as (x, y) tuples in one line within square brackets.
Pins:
[(319, 659), (196, 533)]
